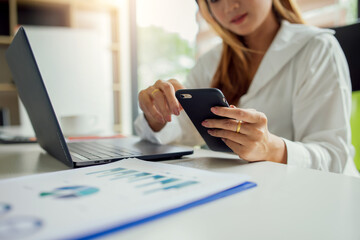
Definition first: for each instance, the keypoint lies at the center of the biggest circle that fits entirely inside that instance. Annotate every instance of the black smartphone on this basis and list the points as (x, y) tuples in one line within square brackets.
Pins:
[(197, 104)]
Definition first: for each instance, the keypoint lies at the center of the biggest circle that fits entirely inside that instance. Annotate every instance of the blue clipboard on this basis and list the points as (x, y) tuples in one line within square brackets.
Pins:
[(239, 188)]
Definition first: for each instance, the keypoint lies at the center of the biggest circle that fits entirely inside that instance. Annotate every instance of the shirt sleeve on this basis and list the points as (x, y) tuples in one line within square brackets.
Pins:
[(321, 108)]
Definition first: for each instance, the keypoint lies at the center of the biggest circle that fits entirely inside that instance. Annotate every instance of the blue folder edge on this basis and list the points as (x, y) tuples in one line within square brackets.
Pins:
[(230, 191)]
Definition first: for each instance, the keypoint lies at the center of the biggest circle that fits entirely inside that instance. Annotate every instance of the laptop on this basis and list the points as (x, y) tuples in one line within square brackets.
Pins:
[(34, 96)]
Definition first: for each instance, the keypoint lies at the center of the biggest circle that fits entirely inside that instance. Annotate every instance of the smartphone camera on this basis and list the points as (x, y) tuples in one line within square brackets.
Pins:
[(185, 96)]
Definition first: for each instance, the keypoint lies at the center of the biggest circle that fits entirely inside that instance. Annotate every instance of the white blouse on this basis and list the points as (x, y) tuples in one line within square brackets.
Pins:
[(303, 87)]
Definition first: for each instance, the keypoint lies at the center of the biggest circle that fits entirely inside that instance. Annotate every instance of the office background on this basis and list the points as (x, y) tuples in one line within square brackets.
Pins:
[(96, 55)]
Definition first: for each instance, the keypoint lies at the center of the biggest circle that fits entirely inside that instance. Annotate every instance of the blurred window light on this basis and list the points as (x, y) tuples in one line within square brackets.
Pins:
[(166, 32)]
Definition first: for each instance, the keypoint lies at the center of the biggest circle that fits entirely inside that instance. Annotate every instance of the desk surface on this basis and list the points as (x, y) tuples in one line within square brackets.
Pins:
[(288, 203)]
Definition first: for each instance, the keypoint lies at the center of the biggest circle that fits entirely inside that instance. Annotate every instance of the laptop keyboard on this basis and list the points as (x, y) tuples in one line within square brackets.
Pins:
[(86, 151)]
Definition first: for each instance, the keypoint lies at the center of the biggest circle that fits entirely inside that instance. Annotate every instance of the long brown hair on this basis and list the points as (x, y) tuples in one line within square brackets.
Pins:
[(232, 74)]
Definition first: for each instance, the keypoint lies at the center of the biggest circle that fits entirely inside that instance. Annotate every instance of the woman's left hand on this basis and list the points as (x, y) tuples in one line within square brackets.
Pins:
[(251, 140)]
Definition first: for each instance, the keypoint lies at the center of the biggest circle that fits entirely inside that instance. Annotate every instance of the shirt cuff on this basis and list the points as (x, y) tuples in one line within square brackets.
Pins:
[(168, 134), (297, 154)]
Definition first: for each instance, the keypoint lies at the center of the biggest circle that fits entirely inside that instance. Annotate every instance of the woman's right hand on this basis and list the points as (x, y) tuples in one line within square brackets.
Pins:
[(158, 102)]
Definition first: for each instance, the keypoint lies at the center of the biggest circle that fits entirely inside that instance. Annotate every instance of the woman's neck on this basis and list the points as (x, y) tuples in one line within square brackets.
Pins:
[(261, 39)]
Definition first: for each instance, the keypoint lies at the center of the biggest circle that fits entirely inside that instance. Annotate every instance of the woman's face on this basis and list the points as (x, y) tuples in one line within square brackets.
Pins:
[(241, 17)]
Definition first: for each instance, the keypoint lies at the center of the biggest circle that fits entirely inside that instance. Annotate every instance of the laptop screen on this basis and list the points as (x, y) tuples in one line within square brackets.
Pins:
[(34, 96)]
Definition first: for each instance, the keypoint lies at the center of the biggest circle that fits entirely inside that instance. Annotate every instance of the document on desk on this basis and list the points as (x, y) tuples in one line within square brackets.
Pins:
[(94, 201)]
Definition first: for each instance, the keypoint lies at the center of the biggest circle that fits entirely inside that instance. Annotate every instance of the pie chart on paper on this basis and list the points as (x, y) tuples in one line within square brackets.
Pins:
[(70, 192), (4, 208), (19, 226)]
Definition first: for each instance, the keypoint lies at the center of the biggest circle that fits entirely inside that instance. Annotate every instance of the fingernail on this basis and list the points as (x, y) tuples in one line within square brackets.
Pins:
[(204, 123), (210, 132), (214, 109), (162, 120)]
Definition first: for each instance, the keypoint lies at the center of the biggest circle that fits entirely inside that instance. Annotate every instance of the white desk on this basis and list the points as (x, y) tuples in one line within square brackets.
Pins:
[(288, 203)]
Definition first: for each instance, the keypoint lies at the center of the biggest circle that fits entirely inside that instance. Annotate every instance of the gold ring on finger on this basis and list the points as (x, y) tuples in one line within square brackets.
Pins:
[(155, 91), (238, 127)]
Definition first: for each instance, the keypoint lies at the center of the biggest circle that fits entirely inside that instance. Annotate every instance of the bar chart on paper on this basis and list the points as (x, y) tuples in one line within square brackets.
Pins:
[(145, 182), (117, 195)]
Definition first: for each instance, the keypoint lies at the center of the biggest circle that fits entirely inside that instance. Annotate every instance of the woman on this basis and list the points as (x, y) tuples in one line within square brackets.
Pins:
[(295, 76)]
